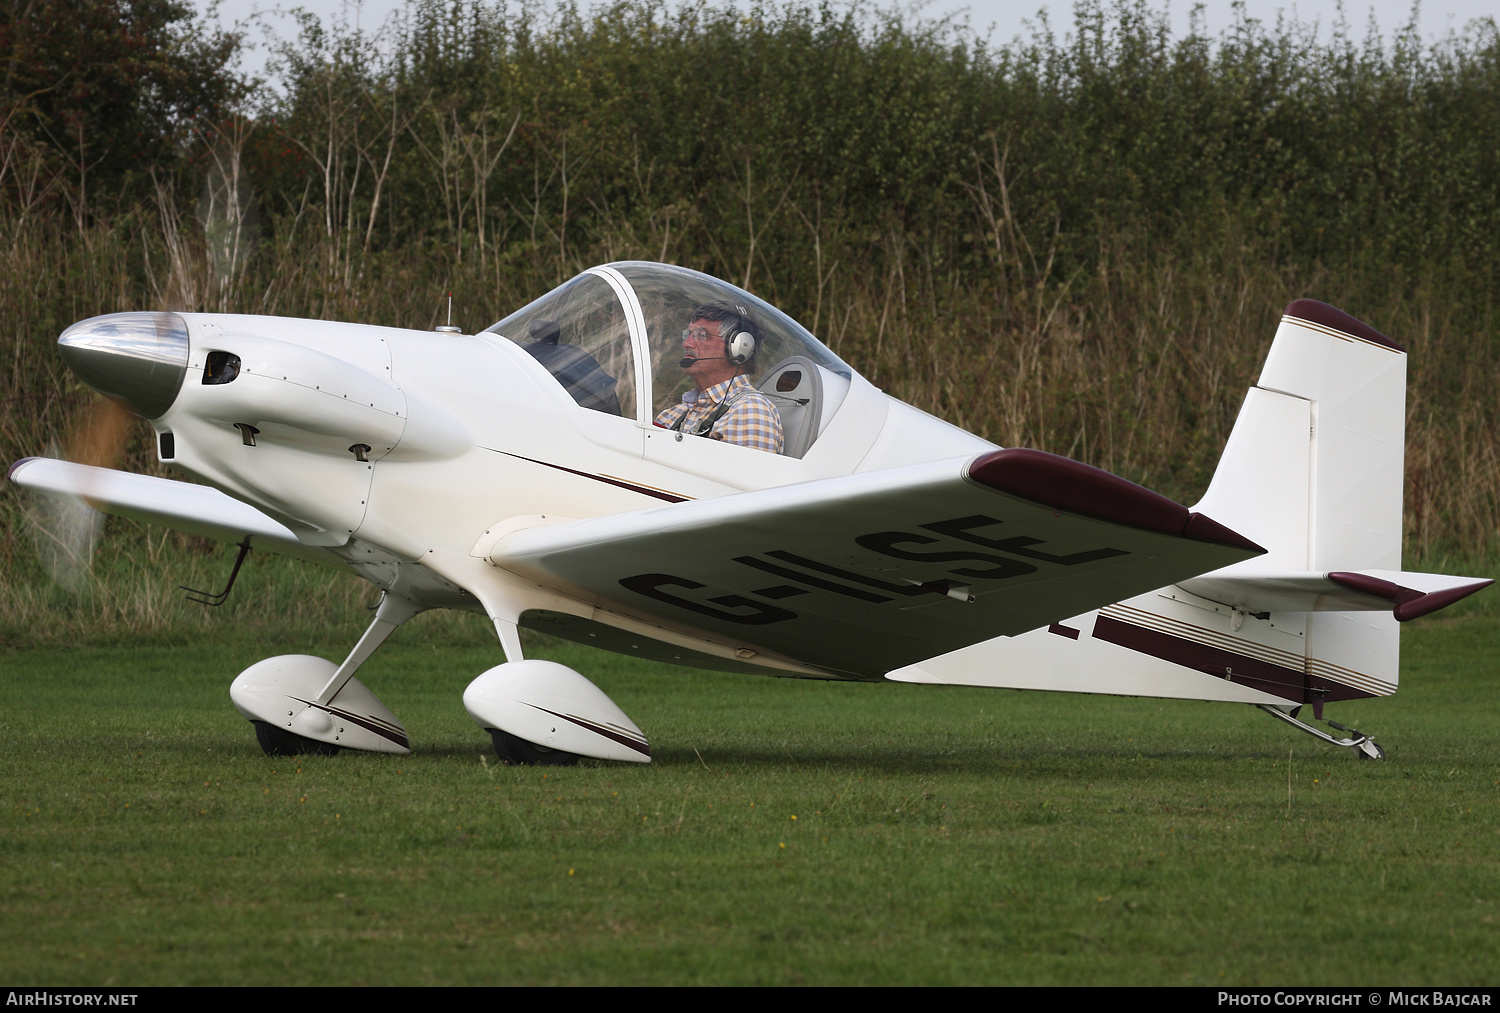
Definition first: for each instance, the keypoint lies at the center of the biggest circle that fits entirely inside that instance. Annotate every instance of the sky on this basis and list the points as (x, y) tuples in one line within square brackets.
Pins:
[(998, 20)]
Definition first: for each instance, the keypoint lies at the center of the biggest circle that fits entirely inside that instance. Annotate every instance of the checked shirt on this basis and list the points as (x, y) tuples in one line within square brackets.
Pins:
[(751, 419)]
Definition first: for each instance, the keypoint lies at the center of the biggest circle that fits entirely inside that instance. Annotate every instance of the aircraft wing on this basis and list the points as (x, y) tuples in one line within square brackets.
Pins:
[(195, 509), (862, 574)]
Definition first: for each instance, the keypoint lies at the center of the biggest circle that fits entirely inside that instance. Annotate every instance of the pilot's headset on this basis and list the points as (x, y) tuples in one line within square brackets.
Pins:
[(740, 348)]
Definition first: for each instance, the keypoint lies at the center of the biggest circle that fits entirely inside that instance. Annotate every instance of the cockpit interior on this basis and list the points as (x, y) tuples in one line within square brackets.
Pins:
[(612, 338)]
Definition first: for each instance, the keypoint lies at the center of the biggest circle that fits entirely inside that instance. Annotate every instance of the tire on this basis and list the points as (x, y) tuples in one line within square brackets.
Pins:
[(280, 742), (517, 752)]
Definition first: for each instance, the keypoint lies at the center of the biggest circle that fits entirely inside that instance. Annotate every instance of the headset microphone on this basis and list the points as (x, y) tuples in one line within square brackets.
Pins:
[(688, 360)]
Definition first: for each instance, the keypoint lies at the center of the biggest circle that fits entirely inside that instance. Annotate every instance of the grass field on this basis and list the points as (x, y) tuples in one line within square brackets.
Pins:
[(787, 832)]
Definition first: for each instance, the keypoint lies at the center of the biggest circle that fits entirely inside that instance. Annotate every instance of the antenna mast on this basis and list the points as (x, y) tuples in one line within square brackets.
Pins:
[(448, 328)]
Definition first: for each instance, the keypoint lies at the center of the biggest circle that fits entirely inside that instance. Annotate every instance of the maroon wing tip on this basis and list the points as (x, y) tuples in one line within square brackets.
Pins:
[(1429, 603), (10, 472), (1317, 312), (1409, 603), (1078, 488), (1206, 529)]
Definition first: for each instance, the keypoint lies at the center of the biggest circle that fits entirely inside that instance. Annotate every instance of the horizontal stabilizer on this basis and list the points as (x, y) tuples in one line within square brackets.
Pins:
[(194, 509), (1406, 595)]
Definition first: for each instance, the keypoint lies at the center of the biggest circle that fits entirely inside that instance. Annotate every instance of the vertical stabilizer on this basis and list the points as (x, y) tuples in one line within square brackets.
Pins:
[(1327, 497), (1314, 471)]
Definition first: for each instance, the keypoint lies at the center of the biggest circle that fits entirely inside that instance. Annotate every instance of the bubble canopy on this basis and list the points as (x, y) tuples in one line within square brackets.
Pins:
[(613, 336)]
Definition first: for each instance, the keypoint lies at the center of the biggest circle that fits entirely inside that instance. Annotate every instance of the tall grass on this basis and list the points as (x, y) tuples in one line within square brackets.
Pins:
[(1081, 244)]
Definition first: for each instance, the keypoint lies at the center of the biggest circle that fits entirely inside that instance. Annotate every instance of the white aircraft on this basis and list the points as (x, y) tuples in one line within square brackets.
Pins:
[(519, 473)]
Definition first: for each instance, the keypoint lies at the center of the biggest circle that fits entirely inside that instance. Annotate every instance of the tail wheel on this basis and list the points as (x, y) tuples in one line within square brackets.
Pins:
[(280, 742), (519, 753)]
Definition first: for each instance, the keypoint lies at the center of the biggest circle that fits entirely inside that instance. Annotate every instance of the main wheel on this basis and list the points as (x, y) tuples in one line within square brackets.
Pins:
[(519, 753), (280, 742)]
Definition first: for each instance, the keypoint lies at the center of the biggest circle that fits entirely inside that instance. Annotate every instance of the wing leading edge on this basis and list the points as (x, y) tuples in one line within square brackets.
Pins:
[(195, 509), (863, 574)]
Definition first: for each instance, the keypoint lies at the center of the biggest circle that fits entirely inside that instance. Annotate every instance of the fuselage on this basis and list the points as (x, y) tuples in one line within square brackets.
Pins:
[(407, 454)]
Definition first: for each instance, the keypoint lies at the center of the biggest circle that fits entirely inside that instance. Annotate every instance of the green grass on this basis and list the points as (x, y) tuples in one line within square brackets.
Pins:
[(787, 832)]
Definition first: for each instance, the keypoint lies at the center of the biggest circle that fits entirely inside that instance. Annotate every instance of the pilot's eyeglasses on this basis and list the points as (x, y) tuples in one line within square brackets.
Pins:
[(696, 334)]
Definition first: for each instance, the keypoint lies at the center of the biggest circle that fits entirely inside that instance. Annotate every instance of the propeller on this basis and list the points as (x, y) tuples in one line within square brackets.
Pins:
[(100, 435), (138, 362), (66, 530)]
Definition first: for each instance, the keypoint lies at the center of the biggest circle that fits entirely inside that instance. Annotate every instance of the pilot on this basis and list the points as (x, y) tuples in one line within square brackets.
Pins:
[(719, 349)]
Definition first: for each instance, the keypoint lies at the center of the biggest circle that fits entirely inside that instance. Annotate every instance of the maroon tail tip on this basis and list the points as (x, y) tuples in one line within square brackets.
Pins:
[(1331, 316), (1429, 603)]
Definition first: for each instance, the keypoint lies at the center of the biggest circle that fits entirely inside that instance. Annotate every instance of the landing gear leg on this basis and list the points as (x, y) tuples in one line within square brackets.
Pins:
[(512, 749), (1364, 746), (302, 705)]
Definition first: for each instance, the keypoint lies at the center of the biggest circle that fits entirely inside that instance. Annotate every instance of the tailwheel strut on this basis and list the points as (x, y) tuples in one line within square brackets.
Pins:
[(1364, 746)]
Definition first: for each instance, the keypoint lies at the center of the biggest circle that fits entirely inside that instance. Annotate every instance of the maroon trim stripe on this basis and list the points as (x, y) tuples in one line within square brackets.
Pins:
[(670, 497), (1262, 675), (598, 729), (1278, 680), (368, 724)]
